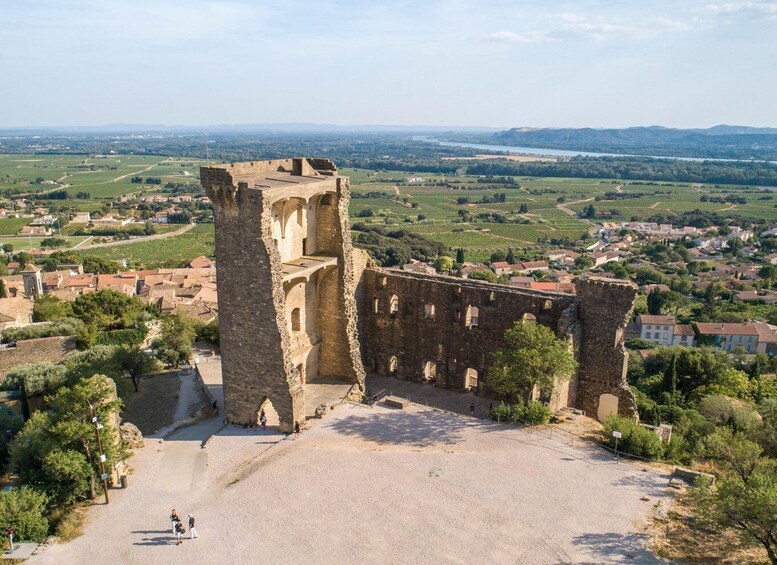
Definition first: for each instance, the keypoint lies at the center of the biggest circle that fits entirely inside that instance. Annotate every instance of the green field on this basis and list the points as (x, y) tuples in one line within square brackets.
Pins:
[(180, 249), (11, 226), (103, 177), (21, 243), (544, 219)]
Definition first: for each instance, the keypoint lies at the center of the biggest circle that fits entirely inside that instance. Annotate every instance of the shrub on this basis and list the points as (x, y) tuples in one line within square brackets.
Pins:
[(536, 413), (35, 378), (635, 439), (24, 510), (64, 326), (532, 412), (122, 337), (639, 343), (725, 411)]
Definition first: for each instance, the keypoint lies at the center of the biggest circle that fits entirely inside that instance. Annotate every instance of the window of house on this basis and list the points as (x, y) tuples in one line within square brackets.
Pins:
[(375, 305), (295, 320), (383, 281), (393, 362), (428, 310)]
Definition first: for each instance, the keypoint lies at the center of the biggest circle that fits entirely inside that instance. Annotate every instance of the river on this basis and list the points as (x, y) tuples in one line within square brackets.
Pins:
[(519, 150)]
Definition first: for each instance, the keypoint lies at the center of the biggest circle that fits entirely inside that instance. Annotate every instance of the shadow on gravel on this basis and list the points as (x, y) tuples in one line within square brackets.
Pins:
[(617, 548), (166, 538), (420, 429), (651, 482)]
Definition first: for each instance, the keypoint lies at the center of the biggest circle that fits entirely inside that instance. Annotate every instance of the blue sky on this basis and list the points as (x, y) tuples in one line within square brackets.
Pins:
[(681, 63)]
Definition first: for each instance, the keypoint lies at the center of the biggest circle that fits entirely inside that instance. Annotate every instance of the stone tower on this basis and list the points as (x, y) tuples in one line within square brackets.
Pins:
[(286, 285), (33, 284)]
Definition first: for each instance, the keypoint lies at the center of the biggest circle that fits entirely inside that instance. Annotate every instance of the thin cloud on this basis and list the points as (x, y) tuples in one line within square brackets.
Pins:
[(512, 37), (747, 9)]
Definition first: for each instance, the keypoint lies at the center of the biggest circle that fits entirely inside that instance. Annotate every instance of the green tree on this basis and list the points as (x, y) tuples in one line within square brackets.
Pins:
[(99, 266), (3, 290), (443, 263), (174, 344), (49, 307), (24, 510), (107, 309), (745, 497), (460, 255), (137, 364), (7, 248), (51, 449), (10, 424), (534, 357), (584, 262)]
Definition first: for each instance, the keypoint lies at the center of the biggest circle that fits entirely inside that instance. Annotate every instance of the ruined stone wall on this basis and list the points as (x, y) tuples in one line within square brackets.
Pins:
[(605, 307), (48, 349), (339, 316), (252, 321), (414, 337), (262, 357)]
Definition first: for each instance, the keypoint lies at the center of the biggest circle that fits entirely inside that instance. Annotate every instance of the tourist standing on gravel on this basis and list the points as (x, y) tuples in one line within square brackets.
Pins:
[(296, 430), (192, 531), (174, 519), (179, 531)]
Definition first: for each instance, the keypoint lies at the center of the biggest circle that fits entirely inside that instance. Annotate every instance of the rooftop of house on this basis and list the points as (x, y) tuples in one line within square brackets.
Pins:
[(718, 328), (656, 320), (683, 329)]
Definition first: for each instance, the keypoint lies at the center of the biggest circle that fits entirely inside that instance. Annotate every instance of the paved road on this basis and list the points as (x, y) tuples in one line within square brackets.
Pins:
[(175, 233)]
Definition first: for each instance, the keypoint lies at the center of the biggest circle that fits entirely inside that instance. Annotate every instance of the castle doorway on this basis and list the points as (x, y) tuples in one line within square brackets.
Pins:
[(269, 412), (430, 372)]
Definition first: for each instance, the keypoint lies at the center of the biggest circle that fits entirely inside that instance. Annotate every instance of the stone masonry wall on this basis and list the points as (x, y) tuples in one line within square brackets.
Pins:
[(415, 337), (251, 318), (605, 307), (49, 349)]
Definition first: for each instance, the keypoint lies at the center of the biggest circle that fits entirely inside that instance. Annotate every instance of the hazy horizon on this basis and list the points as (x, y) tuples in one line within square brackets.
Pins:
[(446, 63)]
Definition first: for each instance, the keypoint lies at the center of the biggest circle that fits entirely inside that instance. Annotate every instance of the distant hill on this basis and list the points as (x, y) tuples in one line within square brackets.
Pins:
[(722, 141)]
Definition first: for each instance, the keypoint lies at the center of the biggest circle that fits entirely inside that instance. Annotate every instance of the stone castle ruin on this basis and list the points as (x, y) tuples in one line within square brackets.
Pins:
[(299, 312)]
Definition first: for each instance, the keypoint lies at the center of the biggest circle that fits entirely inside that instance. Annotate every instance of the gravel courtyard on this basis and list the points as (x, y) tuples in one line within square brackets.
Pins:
[(373, 485)]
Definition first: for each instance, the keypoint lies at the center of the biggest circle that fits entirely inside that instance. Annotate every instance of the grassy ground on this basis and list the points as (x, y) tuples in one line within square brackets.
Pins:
[(11, 226), (153, 406), (104, 178), (179, 249)]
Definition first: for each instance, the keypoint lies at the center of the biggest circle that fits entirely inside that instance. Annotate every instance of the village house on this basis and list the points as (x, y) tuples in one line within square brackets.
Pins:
[(419, 267), (658, 329), (767, 297), (752, 337)]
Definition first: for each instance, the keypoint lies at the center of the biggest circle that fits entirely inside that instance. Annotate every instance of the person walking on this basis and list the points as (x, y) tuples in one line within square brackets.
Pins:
[(174, 519), (192, 531), (263, 421), (179, 532), (296, 430)]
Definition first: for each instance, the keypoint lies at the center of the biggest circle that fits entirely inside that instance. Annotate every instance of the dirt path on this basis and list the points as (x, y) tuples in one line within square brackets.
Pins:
[(727, 208), (122, 177), (563, 208), (175, 233)]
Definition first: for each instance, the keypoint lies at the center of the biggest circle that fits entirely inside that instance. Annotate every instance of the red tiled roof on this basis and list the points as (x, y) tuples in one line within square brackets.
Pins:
[(717, 328)]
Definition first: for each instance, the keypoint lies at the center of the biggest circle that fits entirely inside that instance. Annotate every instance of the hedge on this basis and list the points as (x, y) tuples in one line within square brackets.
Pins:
[(122, 337)]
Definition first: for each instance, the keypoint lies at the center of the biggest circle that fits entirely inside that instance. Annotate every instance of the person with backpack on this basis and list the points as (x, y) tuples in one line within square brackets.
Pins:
[(179, 532)]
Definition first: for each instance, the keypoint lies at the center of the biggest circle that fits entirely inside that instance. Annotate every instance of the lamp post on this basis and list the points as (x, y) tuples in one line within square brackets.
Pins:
[(104, 475)]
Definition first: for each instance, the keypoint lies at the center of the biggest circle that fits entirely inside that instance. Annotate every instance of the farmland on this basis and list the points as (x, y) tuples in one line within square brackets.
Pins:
[(532, 210), (102, 177), (443, 219)]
